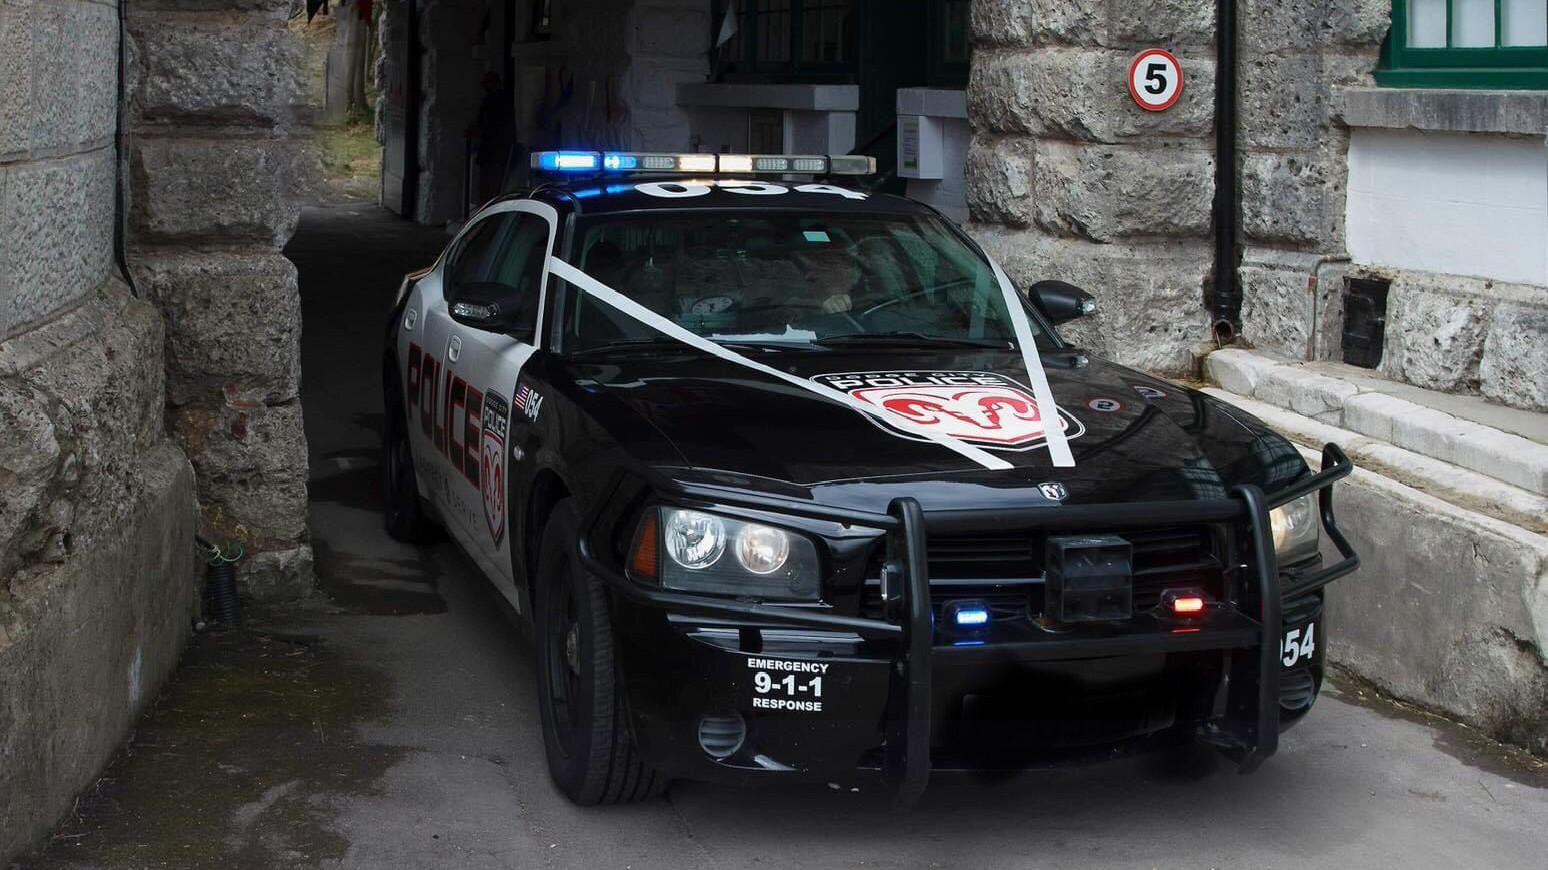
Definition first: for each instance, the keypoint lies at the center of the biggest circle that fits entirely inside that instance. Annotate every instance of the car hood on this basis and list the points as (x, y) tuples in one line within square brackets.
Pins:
[(1134, 437)]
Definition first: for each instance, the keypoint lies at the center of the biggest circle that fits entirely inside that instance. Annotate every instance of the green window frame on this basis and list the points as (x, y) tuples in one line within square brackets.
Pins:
[(1500, 66)]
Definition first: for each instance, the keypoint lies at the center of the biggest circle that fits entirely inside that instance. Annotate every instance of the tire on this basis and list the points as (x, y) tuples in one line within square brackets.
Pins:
[(591, 756), (404, 513)]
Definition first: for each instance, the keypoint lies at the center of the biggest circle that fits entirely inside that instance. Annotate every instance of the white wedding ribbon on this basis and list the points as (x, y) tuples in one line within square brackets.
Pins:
[(1053, 422), (629, 307)]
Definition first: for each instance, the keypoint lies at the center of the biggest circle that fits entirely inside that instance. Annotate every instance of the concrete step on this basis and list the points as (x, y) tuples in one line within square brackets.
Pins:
[(1404, 416), (1459, 486), (1449, 608)]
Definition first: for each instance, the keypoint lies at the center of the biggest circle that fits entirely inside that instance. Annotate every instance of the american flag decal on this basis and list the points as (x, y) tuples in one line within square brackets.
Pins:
[(522, 394)]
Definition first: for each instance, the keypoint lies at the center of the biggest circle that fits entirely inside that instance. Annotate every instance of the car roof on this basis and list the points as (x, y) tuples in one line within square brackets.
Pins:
[(604, 195)]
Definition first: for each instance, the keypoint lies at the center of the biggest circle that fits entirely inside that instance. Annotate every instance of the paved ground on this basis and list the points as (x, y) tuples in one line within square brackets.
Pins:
[(408, 735)]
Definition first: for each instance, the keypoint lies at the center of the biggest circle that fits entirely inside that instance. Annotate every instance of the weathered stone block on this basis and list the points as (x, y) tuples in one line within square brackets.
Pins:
[(58, 75), (999, 180), (1066, 22), (1000, 93), (1435, 331), (1294, 198), (188, 190), (1150, 296), (252, 465), (1514, 368), (1239, 371), (1171, 23), (56, 233), (233, 325), (279, 575), (200, 72), (1109, 192), (1362, 23), (29, 460), (1283, 101), (1002, 22), (1317, 396), (1277, 310)]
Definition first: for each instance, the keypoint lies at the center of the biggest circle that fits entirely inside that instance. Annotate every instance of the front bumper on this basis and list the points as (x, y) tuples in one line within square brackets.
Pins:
[(878, 683)]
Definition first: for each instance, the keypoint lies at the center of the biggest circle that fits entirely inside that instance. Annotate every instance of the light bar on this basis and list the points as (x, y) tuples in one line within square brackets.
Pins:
[(704, 164)]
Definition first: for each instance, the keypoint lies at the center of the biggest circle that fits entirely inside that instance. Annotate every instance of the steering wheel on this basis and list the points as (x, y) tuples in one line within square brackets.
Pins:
[(939, 288)]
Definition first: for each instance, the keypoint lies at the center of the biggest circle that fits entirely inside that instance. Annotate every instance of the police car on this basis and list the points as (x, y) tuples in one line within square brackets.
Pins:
[(787, 481)]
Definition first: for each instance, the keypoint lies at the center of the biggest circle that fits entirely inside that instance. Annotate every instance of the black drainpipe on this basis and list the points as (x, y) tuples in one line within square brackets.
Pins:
[(120, 160), (411, 116), (1225, 297)]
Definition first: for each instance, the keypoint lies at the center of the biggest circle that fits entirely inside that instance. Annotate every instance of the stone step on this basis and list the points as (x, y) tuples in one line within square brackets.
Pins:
[(1356, 404), (1459, 486)]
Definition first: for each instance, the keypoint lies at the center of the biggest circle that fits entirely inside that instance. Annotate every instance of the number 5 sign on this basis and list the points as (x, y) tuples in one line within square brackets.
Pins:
[(1155, 79)]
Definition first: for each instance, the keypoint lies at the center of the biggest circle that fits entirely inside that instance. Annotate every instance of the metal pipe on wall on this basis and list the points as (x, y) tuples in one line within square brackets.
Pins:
[(1225, 297)]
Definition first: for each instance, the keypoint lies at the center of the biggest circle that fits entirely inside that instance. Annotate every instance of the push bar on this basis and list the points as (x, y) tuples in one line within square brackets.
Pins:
[(1250, 731)]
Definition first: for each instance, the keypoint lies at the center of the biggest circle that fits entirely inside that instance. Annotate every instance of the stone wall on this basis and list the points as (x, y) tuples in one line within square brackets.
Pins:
[(215, 168), (1069, 179), (1294, 56), (98, 570)]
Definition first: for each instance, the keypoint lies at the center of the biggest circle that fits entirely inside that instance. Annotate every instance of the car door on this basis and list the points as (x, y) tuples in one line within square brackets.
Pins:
[(486, 401)]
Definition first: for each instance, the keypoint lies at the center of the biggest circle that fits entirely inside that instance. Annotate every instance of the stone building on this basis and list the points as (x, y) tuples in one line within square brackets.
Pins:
[(1330, 166)]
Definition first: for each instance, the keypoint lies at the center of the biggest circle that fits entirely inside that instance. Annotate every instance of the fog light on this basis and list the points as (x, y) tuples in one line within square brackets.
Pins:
[(721, 736)]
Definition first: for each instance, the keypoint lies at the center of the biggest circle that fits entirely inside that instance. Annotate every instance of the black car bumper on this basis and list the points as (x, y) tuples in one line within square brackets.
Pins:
[(742, 691)]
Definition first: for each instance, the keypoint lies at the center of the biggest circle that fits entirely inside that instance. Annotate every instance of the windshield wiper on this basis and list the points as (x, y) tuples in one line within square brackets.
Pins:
[(671, 344), (910, 339)]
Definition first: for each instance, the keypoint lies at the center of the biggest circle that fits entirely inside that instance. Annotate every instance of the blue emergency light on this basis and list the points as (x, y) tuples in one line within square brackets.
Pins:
[(703, 164), (566, 161), (969, 614)]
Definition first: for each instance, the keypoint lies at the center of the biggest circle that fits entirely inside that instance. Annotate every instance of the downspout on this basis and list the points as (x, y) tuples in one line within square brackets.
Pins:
[(121, 161), (1225, 298), (411, 116)]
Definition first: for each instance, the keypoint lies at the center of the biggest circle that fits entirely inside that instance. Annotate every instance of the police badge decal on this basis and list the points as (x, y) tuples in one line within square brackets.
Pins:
[(984, 409)]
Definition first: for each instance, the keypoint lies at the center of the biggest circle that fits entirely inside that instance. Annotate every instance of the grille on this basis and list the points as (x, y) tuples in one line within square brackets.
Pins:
[(1004, 569)]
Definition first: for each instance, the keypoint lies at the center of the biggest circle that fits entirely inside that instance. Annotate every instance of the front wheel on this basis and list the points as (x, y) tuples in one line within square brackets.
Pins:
[(404, 512), (591, 756)]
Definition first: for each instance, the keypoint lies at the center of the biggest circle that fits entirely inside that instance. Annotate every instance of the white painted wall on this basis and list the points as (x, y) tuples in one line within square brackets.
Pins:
[(1458, 203)]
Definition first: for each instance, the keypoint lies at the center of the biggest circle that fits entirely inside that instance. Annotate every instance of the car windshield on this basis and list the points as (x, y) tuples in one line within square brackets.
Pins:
[(786, 278)]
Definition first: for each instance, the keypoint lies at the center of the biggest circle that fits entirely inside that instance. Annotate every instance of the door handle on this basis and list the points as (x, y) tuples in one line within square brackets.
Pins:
[(454, 348)]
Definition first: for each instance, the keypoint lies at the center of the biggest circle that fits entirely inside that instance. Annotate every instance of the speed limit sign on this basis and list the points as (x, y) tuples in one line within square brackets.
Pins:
[(1155, 79)]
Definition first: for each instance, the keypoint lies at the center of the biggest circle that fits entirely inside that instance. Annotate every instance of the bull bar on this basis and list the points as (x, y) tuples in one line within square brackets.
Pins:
[(1249, 733)]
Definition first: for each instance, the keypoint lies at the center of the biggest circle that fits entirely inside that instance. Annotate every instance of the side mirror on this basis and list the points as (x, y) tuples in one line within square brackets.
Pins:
[(1060, 301), (494, 307)]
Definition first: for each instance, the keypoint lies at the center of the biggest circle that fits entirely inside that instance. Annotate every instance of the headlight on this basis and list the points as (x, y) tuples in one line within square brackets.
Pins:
[(762, 549), (694, 540), (762, 562), (1295, 528)]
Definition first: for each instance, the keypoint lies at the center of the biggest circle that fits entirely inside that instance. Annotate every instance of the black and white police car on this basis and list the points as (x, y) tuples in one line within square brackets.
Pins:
[(788, 482)]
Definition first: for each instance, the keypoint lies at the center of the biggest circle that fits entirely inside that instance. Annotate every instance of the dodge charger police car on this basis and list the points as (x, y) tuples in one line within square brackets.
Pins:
[(787, 481)]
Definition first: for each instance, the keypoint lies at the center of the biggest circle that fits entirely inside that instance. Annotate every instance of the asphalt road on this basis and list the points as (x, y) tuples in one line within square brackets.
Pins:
[(451, 770)]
